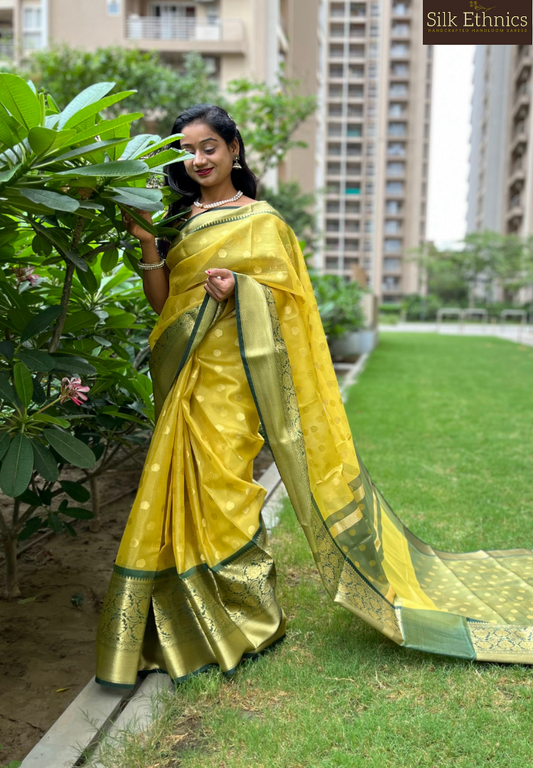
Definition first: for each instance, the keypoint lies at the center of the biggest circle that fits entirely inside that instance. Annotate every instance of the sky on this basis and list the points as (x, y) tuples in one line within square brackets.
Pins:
[(449, 144)]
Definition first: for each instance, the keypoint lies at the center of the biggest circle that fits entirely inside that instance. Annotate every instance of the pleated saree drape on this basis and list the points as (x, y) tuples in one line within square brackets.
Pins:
[(194, 581)]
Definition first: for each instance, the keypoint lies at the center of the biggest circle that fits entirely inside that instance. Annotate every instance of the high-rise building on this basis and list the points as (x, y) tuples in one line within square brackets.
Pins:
[(500, 193), (375, 104)]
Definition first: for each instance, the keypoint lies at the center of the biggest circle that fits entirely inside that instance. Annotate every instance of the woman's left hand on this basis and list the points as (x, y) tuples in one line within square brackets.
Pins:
[(220, 283)]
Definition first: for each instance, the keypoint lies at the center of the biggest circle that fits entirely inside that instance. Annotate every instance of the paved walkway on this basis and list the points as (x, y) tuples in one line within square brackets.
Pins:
[(516, 333)]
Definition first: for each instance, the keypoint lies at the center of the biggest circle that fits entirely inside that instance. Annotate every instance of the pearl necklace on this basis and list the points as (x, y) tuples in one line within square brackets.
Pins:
[(198, 204)]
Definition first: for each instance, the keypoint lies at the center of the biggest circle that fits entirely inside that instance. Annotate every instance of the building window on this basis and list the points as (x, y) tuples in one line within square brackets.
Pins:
[(400, 29), (395, 169), (392, 265), (397, 129), (399, 70), (32, 28), (392, 207), (396, 110), (398, 89), (113, 7), (353, 206), (392, 227), (400, 49), (353, 189), (394, 188), (351, 245), (392, 245), (396, 148)]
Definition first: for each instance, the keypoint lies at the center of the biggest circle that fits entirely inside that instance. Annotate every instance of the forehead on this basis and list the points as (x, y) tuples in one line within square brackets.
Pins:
[(195, 133)]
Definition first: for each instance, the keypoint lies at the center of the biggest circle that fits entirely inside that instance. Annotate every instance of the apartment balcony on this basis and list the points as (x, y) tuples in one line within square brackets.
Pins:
[(515, 211), (519, 140), (517, 176), (521, 104), (7, 47), (184, 35), (401, 10), (399, 52), (523, 63)]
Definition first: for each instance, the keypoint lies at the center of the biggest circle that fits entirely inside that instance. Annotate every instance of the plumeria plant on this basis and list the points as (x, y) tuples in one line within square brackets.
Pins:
[(74, 321)]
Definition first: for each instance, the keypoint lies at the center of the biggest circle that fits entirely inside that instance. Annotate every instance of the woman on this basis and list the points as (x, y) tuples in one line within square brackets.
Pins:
[(239, 343)]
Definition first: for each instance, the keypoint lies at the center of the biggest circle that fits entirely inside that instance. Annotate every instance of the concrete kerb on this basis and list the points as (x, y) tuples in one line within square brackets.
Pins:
[(99, 712)]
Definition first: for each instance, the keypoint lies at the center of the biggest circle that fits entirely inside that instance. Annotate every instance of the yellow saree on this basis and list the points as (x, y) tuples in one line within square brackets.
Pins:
[(194, 582)]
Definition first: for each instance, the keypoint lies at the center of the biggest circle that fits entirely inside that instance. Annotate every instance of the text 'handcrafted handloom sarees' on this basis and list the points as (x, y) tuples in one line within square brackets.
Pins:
[(194, 582)]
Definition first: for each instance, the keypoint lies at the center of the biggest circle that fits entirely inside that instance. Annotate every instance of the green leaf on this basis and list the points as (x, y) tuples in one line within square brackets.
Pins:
[(41, 246), (41, 322), (71, 364), (97, 106), (17, 96), (6, 389), (166, 158), (31, 527), (78, 512), (45, 463), (81, 151), (46, 418), (124, 320), (83, 319), (52, 200), (88, 96), (70, 448), (136, 201), (17, 466), (113, 169), (137, 145), (7, 349), (76, 491), (39, 395), (5, 176), (30, 498), (55, 523), (106, 126), (159, 144), (4, 444), (42, 139), (23, 383), (36, 360), (87, 279), (109, 260)]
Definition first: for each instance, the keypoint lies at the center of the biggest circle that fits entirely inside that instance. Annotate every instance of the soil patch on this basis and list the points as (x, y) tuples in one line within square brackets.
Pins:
[(47, 645)]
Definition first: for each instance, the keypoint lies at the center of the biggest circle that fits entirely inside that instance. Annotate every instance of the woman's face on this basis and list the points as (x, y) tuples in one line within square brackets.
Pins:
[(213, 158)]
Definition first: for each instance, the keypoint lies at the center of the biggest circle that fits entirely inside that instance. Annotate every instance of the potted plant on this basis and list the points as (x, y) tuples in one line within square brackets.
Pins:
[(341, 311)]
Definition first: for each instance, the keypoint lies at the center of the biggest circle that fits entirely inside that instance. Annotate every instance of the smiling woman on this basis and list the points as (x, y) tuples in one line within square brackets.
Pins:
[(194, 582)]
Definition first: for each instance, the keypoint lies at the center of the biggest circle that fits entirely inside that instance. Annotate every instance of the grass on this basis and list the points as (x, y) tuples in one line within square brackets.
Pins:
[(445, 427)]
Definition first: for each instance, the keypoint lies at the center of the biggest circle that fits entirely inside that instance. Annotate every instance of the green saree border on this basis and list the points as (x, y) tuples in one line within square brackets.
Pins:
[(153, 575), (343, 581)]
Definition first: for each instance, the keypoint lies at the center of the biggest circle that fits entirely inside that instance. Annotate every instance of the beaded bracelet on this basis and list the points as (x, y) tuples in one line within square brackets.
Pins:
[(156, 265)]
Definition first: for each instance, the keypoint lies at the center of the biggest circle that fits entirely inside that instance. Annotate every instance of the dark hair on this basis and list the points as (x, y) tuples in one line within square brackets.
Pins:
[(177, 177)]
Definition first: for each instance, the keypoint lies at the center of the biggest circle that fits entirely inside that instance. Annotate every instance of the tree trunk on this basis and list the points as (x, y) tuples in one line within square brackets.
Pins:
[(95, 501), (10, 551)]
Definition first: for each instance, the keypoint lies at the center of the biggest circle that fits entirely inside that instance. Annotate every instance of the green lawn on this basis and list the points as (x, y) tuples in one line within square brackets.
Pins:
[(445, 427)]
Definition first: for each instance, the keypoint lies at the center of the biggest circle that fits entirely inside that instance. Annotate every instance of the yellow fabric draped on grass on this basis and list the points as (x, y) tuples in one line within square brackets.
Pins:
[(194, 582)]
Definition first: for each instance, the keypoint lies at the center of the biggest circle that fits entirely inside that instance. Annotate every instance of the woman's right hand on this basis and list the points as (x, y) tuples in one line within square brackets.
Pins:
[(135, 229)]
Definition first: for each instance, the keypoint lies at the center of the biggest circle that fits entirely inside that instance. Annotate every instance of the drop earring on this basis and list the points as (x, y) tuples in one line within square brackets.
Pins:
[(236, 164)]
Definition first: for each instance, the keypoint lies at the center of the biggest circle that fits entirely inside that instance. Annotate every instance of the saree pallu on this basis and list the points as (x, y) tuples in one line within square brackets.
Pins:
[(194, 581)]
